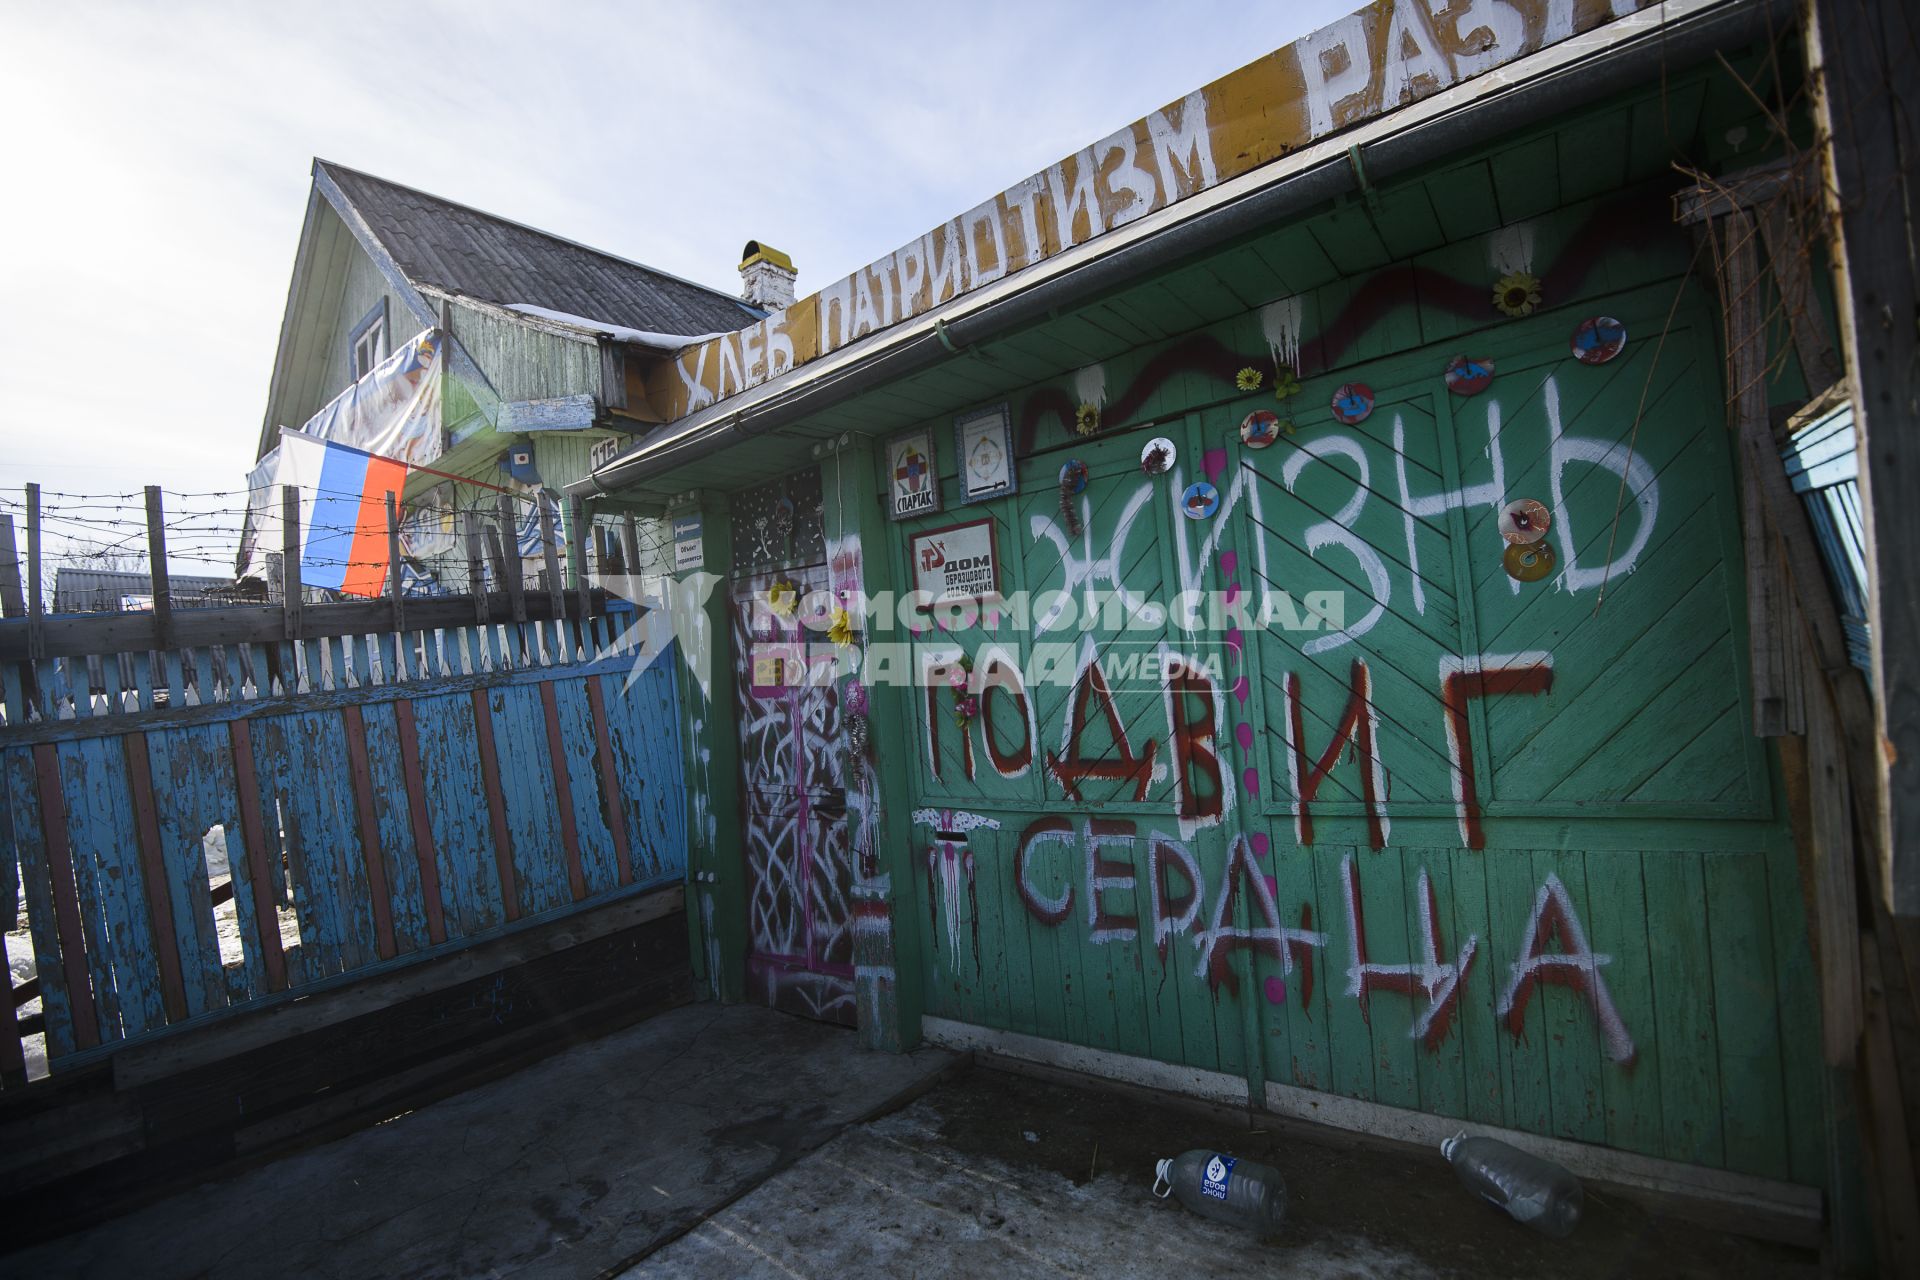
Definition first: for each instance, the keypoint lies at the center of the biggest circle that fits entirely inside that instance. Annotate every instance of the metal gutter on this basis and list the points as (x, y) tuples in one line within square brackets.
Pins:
[(1575, 73)]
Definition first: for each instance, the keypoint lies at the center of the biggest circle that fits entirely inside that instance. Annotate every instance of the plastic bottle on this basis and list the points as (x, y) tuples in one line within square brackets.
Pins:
[(1237, 1192), (1533, 1191)]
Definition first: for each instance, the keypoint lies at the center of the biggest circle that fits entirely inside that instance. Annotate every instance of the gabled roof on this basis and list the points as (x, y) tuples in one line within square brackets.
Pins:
[(462, 250)]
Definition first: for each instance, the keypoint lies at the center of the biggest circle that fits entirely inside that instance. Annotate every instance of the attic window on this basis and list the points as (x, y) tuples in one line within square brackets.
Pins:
[(367, 344)]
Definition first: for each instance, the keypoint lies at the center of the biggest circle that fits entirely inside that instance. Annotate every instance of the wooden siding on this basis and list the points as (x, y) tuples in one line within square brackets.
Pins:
[(1536, 875)]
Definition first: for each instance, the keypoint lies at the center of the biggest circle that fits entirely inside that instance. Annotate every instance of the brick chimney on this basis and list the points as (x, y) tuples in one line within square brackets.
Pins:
[(767, 276)]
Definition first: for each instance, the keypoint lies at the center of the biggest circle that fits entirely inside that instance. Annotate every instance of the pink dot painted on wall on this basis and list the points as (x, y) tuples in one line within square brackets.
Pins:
[(1236, 641), (1273, 886), (1214, 461), (1250, 780), (1241, 689), (1243, 734), (1276, 989), (1229, 561), (1260, 844)]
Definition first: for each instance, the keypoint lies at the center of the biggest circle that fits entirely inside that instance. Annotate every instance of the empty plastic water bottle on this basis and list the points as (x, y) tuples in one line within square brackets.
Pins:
[(1533, 1191), (1237, 1192)]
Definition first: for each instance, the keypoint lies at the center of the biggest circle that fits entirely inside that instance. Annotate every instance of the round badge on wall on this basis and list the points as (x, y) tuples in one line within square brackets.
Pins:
[(1528, 561), (1467, 376), (1598, 339), (1073, 475), (1524, 521), (1200, 500), (1158, 456), (1352, 403), (1259, 428)]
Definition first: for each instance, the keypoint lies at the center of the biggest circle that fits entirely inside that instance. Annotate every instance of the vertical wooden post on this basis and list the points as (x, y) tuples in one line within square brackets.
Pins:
[(476, 575), (393, 564), (157, 572), (290, 590), (556, 592), (630, 539), (13, 604), (509, 554), (1871, 129), (36, 607), (577, 568)]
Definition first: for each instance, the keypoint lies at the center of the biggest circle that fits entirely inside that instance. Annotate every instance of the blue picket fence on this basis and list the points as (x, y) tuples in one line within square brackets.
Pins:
[(236, 823)]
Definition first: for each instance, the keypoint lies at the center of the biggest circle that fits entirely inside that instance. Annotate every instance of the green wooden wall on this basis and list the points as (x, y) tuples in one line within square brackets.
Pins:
[(1622, 959)]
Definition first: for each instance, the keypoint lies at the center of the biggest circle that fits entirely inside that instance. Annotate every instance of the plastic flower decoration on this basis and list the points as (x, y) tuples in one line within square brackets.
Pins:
[(1249, 379), (1086, 419), (1517, 293), (965, 709), (1286, 384), (840, 631), (783, 597)]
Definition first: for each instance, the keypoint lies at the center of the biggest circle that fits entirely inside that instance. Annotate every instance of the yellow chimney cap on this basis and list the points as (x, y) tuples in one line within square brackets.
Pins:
[(757, 252)]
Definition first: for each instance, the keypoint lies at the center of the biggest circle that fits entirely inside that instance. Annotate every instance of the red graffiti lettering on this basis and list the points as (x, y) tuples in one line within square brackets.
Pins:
[(1482, 676), (1440, 982), (1267, 936), (1574, 966), (1172, 913), (1104, 874), (1004, 679), (1195, 757), (1358, 725), (1122, 764), (1049, 911)]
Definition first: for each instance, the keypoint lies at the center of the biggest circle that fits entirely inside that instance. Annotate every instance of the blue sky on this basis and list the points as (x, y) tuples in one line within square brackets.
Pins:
[(157, 160)]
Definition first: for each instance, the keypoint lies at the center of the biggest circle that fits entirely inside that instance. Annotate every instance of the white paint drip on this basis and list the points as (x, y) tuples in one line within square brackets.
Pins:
[(1090, 385), (1280, 322)]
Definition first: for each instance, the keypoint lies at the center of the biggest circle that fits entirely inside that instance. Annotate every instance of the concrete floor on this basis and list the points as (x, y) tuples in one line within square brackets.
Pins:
[(572, 1167), (1000, 1175), (719, 1142)]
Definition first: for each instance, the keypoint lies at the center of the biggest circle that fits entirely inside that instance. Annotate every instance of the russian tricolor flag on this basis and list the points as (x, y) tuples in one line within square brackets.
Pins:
[(343, 511)]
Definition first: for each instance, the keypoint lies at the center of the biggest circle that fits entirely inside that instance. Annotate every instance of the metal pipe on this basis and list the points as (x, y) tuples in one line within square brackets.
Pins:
[(1567, 88)]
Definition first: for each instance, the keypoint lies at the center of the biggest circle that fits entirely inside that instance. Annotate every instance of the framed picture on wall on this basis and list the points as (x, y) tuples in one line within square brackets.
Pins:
[(983, 441), (913, 475), (958, 562)]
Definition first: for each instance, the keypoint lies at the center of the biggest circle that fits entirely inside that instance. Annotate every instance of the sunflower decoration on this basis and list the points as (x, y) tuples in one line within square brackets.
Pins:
[(783, 597), (1517, 293), (1086, 419), (840, 630), (1249, 379)]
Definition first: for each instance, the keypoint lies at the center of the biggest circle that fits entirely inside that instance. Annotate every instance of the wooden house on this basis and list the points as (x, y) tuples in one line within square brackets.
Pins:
[(1372, 667)]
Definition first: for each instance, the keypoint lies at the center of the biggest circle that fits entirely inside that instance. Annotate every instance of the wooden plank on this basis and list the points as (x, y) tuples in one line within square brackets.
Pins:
[(290, 589), (496, 805), (1871, 135), (36, 607), (423, 843), (550, 555), (156, 883), (563, 791), (66, 903), (13, 1063), (395, 588), (12, 603), (157, 567), (509, 558), (380, 896), (260, 875), (609, 780), (1746, 1016)]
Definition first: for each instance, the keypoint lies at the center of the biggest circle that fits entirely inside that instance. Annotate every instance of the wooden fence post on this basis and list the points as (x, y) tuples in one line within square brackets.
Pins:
[(36, 607), (290, 558), (476, 575), (393, 564), (13, 604), (556, 592), (581, 583), (157, 569), (509, 559), (630, 536)]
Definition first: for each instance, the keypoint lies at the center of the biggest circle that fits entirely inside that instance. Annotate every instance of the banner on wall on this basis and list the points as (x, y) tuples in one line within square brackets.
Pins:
[(394, 409), (959, 562)]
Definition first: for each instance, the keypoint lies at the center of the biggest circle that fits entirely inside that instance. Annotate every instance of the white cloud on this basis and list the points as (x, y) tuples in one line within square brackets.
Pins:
[(157, 160)]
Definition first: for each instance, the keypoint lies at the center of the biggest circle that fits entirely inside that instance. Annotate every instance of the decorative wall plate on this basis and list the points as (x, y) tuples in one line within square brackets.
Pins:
[(1073, 476), (1157, 456), (1352, 403), (1524, 521), (1200, 501), (1467, 376), (1529, 561), (1598, 339), (1259, 428)]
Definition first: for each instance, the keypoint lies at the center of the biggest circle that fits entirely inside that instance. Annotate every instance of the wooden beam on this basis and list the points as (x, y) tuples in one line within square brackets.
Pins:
[(13, 603), (394, 587), (161, 587), (290, 590), (1871, 127), (36, 607), (510, 568), (476, 577)]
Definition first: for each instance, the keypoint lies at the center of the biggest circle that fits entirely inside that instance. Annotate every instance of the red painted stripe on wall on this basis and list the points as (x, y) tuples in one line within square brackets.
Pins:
[(423, 845), (369, 824), (153, 871), (266, 920), (496, 805), (616, 813), (66, 898), (563, 793)]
